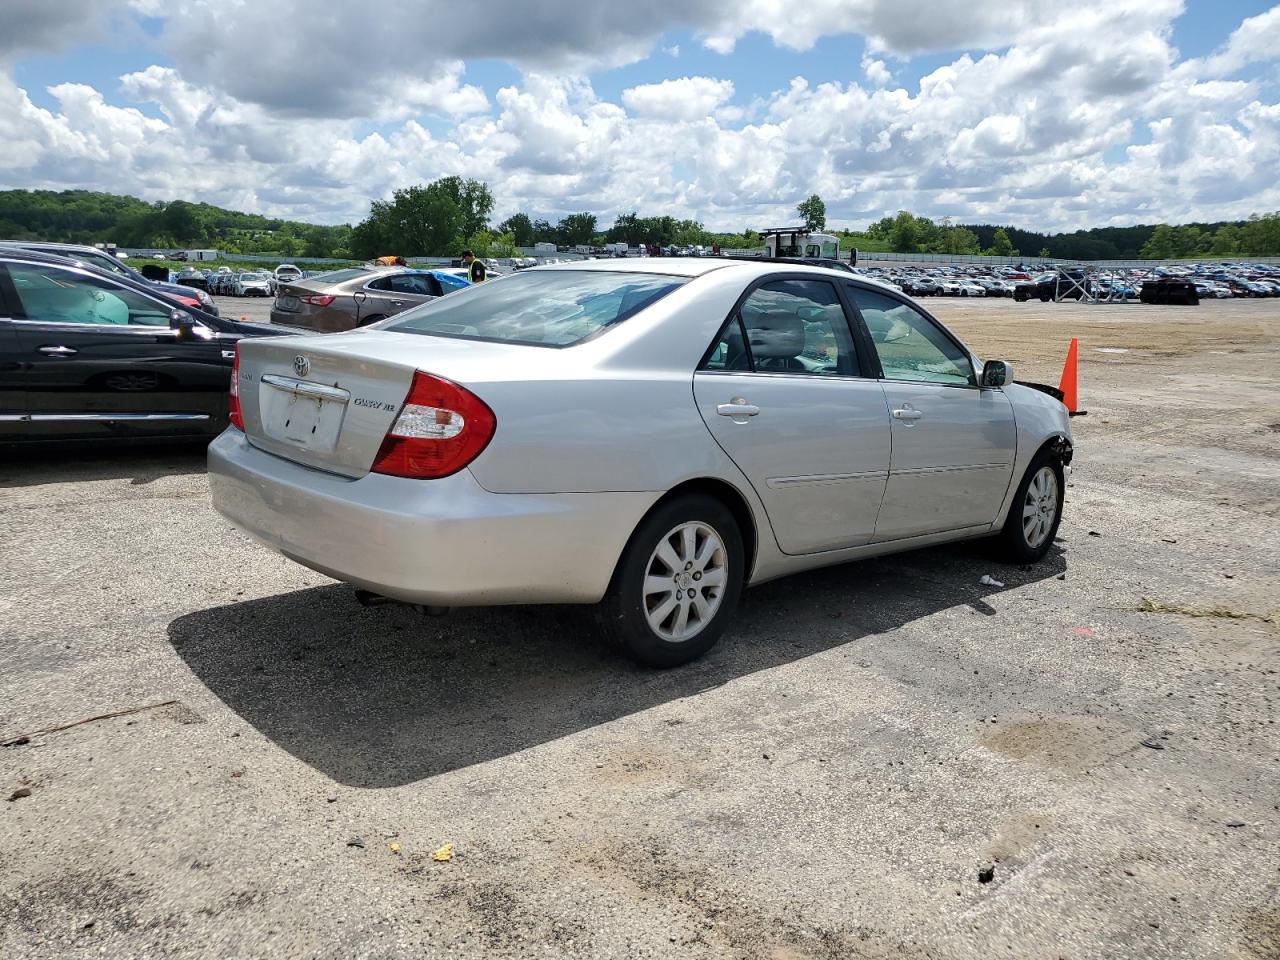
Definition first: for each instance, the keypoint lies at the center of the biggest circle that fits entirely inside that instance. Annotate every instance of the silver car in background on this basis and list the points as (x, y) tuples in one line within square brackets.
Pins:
[(651, 435)]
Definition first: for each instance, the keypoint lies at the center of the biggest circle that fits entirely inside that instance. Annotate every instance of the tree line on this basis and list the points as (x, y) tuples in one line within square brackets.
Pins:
[(450, 214), (83, 216)]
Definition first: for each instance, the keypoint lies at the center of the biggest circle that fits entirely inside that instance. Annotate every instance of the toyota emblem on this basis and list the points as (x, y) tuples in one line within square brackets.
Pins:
[(301, 365)]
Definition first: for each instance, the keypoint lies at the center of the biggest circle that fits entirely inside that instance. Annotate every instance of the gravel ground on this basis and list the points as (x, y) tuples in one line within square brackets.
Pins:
[(1096, 739)]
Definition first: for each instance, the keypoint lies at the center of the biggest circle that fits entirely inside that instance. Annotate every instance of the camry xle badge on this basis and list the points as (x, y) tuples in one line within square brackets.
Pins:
[(301, 365)]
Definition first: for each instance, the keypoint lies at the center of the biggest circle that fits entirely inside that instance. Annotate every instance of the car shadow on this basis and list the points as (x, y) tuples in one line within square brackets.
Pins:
[(28, 465), (381, 697)]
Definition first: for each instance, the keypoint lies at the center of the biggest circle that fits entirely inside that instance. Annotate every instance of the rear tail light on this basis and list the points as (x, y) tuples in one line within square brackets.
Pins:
[(441, 428), (319, 299), (233, 406)]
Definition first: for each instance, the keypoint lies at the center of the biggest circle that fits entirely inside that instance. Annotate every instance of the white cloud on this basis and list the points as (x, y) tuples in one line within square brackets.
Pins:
[(688, 98)]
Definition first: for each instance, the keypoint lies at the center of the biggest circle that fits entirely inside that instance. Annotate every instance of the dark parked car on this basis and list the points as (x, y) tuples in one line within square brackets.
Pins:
[(94, 257), (85, 354), (1068, 286)]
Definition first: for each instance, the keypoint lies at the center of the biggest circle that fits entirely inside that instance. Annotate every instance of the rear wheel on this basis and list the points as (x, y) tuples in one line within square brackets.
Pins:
[(1036, 511), (677, 584)]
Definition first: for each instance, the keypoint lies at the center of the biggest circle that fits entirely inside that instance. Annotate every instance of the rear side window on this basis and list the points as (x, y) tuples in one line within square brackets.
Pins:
[(556, 308)]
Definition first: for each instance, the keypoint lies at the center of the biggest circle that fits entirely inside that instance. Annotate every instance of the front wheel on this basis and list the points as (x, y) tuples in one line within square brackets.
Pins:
[(677, 584), (1036, 511)]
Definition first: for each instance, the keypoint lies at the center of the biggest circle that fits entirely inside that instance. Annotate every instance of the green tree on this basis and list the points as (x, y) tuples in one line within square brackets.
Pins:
[(904, 235), (814, 213), (521, 229), (1044, 253), (473, 200), (1161, 244), (576, 229), (416, 222), (1001, 245), (1260, 235), (1226, 241)]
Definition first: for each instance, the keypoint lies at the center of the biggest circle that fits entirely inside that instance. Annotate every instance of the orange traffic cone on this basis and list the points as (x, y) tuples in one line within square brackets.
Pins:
[(1068, 382)]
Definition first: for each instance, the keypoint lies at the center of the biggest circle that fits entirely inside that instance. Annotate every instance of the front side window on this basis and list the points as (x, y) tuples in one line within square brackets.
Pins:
[(556, 308), (909, 344), (53, 295)]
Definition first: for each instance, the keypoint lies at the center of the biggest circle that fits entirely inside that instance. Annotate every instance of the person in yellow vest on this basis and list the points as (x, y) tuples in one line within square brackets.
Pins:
[(475, 268)]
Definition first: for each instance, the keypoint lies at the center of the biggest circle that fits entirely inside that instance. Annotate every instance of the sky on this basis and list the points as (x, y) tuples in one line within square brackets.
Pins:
[(1040, 114)]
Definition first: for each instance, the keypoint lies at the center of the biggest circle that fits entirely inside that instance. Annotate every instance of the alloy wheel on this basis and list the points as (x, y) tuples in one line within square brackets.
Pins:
[(685, 581), (1040, 506)]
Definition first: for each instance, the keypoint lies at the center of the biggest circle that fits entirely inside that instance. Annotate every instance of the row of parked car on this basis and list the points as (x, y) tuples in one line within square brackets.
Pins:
[(1209, 280)]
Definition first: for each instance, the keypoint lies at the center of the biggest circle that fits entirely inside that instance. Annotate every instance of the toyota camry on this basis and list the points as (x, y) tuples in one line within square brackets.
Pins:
[(650, 436)]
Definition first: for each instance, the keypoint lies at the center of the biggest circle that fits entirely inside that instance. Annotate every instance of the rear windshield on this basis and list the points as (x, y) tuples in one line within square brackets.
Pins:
[(340, 276), (553, 308)]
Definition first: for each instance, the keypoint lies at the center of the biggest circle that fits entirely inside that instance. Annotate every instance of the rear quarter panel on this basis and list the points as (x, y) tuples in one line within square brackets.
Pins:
[(616, 413)]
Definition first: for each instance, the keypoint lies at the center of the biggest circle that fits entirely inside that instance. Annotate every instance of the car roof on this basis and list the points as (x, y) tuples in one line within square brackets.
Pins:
[(51, 245)]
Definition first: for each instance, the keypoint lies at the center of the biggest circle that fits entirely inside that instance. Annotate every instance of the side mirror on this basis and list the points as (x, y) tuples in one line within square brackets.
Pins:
[(996, 373), (182, 322)]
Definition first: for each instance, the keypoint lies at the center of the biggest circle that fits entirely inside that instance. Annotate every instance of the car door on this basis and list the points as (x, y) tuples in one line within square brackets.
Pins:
[(396, 292), (13, 378), (789, 398), (102, 360), (953, 441)]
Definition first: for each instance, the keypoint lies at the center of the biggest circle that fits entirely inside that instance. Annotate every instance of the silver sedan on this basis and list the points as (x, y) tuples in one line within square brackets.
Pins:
[(650, 436)]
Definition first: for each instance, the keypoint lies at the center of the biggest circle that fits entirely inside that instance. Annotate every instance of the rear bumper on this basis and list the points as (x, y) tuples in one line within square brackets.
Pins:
[(323, 320), (443, 542)]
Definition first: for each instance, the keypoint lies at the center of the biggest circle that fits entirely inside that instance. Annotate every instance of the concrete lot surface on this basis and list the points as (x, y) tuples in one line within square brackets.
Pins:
[(835, 780)]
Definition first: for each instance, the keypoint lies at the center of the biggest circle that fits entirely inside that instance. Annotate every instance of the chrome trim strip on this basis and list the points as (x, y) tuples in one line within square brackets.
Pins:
[(104, 417), (305, 388), (775, 482), (131, 327), (916, 471)]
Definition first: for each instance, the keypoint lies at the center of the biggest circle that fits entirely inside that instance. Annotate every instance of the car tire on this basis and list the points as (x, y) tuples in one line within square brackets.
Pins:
[(365, 321), (1027, 536), (692, 540)]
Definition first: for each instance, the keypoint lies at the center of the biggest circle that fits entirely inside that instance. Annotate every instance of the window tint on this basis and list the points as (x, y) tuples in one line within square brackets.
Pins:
[(340, 276), (54, 295), (555, 308), (730, 352), (798, 326), (408, 283), (909, 344)]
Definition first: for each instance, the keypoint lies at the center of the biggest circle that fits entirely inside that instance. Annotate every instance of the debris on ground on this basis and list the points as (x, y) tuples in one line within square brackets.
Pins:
[(19, 794), (987, 874), (356, 842), (1153, 743), (990, 581), (1148, 605), (444, 854), (26, 737)]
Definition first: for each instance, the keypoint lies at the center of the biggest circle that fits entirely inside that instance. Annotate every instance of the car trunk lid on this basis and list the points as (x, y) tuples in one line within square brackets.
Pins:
[(328, 401)]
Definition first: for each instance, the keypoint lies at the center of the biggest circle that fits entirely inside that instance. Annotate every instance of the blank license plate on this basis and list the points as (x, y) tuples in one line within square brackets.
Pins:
[(302, 421)]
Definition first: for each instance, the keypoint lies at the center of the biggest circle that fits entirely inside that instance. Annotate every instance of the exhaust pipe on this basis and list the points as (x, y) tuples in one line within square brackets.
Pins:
[(367, 598)]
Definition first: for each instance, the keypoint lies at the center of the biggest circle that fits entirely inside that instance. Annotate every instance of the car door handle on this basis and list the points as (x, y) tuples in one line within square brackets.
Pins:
[(738, 408), (397, 303), (58, 351), (907, 413)]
